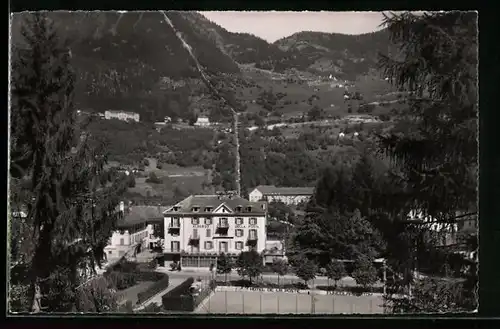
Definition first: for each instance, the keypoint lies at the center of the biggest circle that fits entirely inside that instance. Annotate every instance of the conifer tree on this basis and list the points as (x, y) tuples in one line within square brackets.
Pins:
[(437, 156), (55, 173)]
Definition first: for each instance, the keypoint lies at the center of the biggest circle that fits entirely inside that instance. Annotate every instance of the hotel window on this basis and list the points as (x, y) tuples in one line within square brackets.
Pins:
[(209, 233), (239, 245), (208, 245), (238, 208), (195, 233), (195, 209), (253, 234), (176, 208), (223, 247), (249, 209), (223, 222), (239, 233), (239, 221), (175, 222), (195, 221), (208, 209), (252, 221), (208, 221), (122, 241), (175, 245)]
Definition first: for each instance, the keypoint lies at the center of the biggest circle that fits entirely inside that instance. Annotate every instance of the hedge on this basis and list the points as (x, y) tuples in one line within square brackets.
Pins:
[(180, 299), (155, 288)]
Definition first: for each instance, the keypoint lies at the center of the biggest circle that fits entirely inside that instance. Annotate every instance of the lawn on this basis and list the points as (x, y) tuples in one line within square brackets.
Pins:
[(250, 302), (130, 294)]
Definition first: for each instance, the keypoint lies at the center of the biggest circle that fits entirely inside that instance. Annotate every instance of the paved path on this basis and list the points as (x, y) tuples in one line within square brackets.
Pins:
[(289, 278), (156, 299)]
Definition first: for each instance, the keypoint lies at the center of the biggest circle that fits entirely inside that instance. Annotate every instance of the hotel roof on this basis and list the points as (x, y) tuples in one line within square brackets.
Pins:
[(214, 201)]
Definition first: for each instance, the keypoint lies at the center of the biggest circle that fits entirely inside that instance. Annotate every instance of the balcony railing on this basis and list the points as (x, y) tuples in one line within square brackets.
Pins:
[(194, 237), (223, 225), (174, 225), (252, 238)]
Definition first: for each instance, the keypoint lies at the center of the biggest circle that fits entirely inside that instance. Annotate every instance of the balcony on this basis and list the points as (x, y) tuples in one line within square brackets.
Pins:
[(174, 228), (222, 228), (252, 241), (194, 240)]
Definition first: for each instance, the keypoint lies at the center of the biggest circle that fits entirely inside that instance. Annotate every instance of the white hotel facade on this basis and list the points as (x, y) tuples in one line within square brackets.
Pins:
[(201, 227)]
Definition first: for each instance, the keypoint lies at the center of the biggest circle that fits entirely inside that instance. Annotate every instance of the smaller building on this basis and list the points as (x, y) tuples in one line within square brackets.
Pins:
[(135, 230), (287, 195), (202, 121), (275, 250), (122, 115)]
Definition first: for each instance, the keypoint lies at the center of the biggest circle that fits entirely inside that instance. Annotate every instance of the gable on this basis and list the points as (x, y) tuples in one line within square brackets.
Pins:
[(223, 209)]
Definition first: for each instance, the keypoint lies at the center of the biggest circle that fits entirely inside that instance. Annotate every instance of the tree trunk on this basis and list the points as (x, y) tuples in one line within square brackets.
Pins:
[(36, 296)]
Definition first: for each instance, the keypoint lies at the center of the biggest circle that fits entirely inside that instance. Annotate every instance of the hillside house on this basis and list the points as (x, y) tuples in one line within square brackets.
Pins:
[(287, 195), (202, 122), (135, 230), (200, 227), (122, 115)]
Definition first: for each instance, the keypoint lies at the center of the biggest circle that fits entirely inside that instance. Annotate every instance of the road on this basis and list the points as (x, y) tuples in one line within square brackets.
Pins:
[(289, 278)]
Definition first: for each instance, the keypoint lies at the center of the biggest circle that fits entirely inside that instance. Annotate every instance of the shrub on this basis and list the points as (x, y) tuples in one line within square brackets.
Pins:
[(153, 179), (153, 289)]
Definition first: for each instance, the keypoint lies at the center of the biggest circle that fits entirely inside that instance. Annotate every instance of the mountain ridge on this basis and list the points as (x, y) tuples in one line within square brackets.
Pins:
[(135, 61)]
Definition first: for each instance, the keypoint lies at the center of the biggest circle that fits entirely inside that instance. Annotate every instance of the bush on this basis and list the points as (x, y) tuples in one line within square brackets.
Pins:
[(153, 289), (122, 280), (150, 276), (153, 179)]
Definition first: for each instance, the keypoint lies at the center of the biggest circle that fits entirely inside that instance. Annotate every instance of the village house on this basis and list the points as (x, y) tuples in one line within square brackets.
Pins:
[(201, 227), (122, 115), (287, 195), (135, 231), (202, 121)]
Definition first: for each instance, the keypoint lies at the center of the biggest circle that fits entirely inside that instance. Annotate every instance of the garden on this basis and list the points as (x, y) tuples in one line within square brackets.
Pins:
[(182, 299), (135, 283)]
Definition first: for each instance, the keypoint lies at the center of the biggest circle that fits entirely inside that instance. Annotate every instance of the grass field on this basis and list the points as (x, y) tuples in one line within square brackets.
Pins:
[(251, 302)]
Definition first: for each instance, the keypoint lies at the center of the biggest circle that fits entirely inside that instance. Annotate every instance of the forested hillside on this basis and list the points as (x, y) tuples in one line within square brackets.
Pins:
[(134, 62)]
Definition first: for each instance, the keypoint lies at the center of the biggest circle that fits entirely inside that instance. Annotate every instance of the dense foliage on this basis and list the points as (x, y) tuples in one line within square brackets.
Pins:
[(437, 157), (249, 264), (56, 177)]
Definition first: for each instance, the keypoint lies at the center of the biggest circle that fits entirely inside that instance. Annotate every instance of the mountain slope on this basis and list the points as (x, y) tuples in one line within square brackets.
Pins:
[(345, 55), (122, 60), (133, 61)]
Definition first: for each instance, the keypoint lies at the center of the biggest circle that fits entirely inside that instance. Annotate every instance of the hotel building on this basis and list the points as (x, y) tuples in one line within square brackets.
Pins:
[(201, 227)]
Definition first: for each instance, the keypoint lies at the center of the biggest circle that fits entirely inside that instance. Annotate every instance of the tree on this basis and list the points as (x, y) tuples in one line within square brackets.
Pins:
[(249, 263), (280, 267), (327, 234), (364, 272), (304, 268), (131, 180), (70, 214), (153, 178), (224, 265), (335, 271), (437, 155), (315, 113)]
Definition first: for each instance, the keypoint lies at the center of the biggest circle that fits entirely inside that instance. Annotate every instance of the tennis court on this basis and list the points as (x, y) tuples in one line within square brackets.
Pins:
[(256, 302)]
